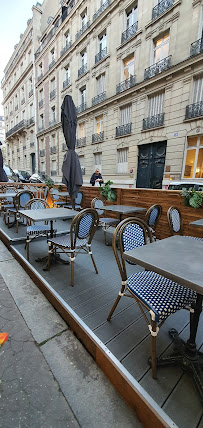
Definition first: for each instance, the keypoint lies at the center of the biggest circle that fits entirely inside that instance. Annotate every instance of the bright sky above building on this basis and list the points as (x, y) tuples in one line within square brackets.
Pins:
[(14, 15)]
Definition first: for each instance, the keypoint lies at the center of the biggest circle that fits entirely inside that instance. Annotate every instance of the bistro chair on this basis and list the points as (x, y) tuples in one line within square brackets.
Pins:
[(20, 200), (82, 230), (8, 201), (78, 202), (55, 197), (175, 223), (160, 296), (152, 217), (105, 222), (36, 230)]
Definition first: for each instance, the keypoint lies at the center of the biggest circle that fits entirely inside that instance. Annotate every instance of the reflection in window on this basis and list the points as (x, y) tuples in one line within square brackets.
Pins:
[(161, 48), (194, 158)]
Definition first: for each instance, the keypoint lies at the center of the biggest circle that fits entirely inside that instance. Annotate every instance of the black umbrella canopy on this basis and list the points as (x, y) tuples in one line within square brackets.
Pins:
[(72, 174), (3, 176)]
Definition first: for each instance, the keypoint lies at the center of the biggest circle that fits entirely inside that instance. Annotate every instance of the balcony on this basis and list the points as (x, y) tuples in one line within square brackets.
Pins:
[(127, 34), (81, 108), (53, 150), (100, 55), (126, 84), (64, 147), (52, 94), (161, 8), (153, 121), (30, 121), (196, 47), (99, 98), (194, 110), (42, 153), (19, 127), (66, 83), (66, 47), (123, 130), (53, 172), (82, 30), (98, 138), (82, 70), (101, 10), (51, 64), (41, 102), (80, 142), (31, 93), (52, 122), (22, 101), (16, 107), (40, 77), (157, 68)]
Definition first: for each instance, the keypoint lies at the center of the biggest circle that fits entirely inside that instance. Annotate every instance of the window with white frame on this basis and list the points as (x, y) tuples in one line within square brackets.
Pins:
[(155, 104), (16, 120), (53, 84), (194, 157), (40, 68), (41, 94), (131, 16), (97, 161), (31, 110), (67, 38), (30, 84), (102, 42), (42, 167), (53, 140), (18, 162), (82, 130), (83, 95), (53, 114), (67, 73), (53, 166), (82, 163), (41, 121), (42, 144), (52, 55), (200, 28), (23, 115), (99, 124), (101, 84), (83, 58), (128, 67), (161, 48), (84, 18), (125, 115), (197, 90), (25, 162), (122, 164)]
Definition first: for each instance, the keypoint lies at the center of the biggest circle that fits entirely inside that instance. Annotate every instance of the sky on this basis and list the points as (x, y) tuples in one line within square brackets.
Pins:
[(14, 15)]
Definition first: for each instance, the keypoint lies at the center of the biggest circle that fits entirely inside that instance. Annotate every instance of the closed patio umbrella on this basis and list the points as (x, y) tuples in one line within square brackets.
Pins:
[(72, 174)]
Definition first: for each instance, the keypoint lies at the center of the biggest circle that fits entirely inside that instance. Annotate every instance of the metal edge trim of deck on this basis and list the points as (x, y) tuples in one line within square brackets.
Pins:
[(147, 410)]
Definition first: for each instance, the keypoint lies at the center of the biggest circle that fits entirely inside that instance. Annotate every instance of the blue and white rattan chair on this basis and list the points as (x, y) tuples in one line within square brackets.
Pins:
[(20, 201), (82, 230), (152, 217), (55, 197), (160, 296), (36, 230), (175, 223), (78, 202), (105, 222)]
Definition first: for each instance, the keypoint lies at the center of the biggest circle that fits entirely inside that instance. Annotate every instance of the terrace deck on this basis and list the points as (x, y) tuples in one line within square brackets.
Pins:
[(126, 336)]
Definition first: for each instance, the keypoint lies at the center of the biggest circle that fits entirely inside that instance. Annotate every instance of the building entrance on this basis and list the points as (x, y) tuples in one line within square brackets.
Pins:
[(151, 163)]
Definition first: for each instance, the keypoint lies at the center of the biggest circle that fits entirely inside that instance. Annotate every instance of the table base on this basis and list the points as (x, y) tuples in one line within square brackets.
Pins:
[(55, 258), (189, 359)]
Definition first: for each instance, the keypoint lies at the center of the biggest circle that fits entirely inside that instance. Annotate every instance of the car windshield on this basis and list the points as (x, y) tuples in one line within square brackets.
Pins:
[(24, 173)]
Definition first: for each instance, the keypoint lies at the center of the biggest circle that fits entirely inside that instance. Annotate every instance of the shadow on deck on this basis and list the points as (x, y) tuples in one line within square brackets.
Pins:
[(121, 347)]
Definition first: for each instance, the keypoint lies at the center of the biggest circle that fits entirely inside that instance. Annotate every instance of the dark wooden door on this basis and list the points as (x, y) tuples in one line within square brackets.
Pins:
[(151, 163)]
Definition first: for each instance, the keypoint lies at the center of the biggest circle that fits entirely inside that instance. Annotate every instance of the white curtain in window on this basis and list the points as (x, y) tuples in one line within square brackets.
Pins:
[(99, 124), (128, 67), (83, 96), (122, 165), (81, 130), (161, 48), (102, 42), (198, 90), (83, 58), (97, 161), (126, 115), (101, 84), (156, 103), (131, 17)]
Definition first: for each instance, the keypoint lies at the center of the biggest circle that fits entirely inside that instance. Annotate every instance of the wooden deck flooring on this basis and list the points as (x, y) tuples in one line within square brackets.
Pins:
[(126, 335)]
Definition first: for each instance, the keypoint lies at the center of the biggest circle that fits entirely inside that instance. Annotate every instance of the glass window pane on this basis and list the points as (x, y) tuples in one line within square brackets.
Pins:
[(189, 164), (199, 169), (192, 141), (201, 140)]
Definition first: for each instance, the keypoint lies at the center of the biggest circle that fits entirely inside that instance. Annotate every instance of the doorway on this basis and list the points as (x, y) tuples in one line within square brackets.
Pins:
[(33, 164), (151, 161)]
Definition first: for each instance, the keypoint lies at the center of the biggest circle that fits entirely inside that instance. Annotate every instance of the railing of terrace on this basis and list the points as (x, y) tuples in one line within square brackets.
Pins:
[(153, 121), (98, 138), (157, 68), (82, 30), (80, 142), (126, 84), (99, 98), (161, 8), (196, 47), (129, 32), (101, 10), (123, 130), (100, 55), (194, 110)]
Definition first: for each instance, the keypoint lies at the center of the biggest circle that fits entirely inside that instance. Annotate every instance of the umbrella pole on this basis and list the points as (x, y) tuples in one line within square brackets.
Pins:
[(73, 203)]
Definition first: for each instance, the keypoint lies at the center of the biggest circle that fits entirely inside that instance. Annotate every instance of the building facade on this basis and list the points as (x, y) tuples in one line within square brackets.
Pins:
[(2, 130), (134, 71)]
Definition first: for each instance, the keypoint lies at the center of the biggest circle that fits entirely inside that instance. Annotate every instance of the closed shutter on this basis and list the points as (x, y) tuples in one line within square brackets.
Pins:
[(156, 103), (126, 115)]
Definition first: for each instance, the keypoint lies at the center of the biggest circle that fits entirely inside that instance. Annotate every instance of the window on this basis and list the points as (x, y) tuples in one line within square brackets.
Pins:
[(42, 167), (84, 18), (82, 164), (41, 121), (67, 73), (131, 16), (82, 130), (197, 90), (53, 140), (83, 95), (40, 69), (102, 42), (41, 95), (53, 84), (52, 55), (25, 162), (101, 84), (41, 144), (128, 67), (53, 166), (155, 105), (30, 84), (125, 115), (99, 124), (23, 115), (122, 165), (83, 58), (53, 114), (97, 161), (67, 38), (161, 48), (194, 158), (31, 110)]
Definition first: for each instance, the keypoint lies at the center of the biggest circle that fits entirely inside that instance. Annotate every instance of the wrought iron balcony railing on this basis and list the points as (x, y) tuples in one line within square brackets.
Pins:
[(98, 138), (126, 84), (82, 70), (31, 93), (66, 83), (80, 142), (82, 30), (127, 34), (66, 47), (52, 122), (101, 10), (196, 47), (153, 121), (31, 121), (42, 153), (161, 8), (52, 64), (194, 110), (23, 101), (53, 150), (40, 128), (100, 55), (157, 68), (123, 130), (19, 127), (64, 147), (53, 172), (52, 94), (40, 77), (16, 107), (99, 98), (81, 108), (41, 102)]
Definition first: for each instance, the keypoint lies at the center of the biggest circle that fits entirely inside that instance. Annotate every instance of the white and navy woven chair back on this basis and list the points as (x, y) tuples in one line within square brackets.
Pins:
[(9, 198), (153, 216), (175, 219), (132, 236), (78, 198), (55, 194), (85, 224), (99, 206), (37, 205)]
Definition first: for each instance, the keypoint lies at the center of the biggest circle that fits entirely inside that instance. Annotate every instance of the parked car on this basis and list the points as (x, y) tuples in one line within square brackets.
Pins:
[(23, 176), (41, 178), (188, 185), (10, 173)]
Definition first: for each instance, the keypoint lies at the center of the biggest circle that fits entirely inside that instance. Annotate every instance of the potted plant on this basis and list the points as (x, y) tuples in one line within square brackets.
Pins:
[(192, 198), (107, 193)]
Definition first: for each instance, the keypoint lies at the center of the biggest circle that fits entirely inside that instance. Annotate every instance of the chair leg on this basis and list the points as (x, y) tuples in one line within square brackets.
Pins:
[(113, 307), (153, 348), (50, 251), (27, 248), (105, 234), (90, 252), (72, 267)]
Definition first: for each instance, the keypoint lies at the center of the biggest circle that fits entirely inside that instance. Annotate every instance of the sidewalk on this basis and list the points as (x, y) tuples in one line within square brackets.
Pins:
[(47, 377)]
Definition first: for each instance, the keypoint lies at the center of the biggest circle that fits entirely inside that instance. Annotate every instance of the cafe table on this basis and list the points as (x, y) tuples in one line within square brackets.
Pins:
[(124, 209), (178, 258), (63, 195), (197, 223)]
